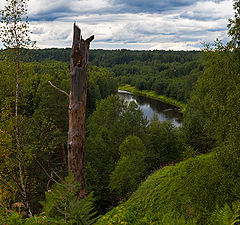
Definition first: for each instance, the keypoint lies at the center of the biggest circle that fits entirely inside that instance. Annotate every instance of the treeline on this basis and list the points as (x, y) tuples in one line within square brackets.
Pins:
[(110, 58), (169, 73)]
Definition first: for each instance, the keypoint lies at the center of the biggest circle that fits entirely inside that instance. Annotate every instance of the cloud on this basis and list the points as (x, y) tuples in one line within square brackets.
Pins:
[(48, 10), (155, 6), (208, 10), (148, 31), (1, 4), (135, 24), (177, 46), (55, 9), (51, 34)]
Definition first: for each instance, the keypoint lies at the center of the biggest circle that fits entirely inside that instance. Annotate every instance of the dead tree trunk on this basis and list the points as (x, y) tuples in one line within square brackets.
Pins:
[(77, 109)]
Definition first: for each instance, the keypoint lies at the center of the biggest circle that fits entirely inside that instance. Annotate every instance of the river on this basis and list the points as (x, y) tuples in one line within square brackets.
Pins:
[(150, 107)]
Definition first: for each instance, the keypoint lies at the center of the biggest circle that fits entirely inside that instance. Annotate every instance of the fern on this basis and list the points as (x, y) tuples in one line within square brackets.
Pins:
[(62, 204), (226, 215)]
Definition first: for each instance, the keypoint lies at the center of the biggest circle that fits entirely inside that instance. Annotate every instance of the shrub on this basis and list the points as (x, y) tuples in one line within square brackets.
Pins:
[(63, 205), (131, 167)]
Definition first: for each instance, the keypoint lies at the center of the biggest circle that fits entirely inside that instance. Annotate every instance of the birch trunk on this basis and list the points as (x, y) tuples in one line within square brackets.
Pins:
[(20, 166)]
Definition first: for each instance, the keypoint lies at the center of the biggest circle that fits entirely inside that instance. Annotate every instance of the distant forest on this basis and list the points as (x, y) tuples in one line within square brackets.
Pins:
[(169, 73), (109, 58)]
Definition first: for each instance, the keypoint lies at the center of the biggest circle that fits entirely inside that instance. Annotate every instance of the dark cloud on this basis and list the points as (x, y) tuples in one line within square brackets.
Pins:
[(65, 9), (153, 6), (51, 14)]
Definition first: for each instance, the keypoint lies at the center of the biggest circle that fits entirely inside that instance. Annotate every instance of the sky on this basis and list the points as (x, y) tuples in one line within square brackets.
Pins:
[(130, 24)]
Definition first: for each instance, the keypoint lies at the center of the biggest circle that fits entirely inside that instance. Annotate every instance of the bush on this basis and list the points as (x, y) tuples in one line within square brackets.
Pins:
[(63, 205), (131, 167), (164, 144)]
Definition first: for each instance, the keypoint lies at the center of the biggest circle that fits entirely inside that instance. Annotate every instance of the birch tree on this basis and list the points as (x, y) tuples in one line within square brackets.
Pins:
[(15, 36)]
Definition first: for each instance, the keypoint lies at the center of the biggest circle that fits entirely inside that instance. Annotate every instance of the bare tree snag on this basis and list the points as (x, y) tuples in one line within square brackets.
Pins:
[(77, 109)]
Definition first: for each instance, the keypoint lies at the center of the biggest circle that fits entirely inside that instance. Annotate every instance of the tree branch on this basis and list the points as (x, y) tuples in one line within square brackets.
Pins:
[(41, 166), (90, 39), (58, 177), (58, 88), (48, 184)]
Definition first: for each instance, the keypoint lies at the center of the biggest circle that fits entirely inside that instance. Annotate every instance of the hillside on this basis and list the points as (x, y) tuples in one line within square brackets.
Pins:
[(187, 193)]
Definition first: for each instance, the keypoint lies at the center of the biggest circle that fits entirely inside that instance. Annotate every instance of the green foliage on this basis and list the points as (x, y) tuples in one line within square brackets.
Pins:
[(212, 117), (199, 190), (234, 25), (212, 114), (6, 84), (40, 140), (188, 191), (194, 123), (130, 168), (189, 152), (107, 128), (15, 218), (164, 144), (169, 73), (15, 36), (223, 216), (121, 147), (43, 124), (15, 29), (101, 83), (62, 204), (48, 101), (11, 218)]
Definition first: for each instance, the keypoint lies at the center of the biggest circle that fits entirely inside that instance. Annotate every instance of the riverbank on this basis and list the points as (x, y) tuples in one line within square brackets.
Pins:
[(154, 95)]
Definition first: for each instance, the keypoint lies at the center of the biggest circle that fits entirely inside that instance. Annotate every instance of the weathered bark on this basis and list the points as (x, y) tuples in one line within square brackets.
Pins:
[(77, 109)]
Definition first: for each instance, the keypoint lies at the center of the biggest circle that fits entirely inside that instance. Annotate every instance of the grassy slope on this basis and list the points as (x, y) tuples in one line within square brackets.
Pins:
[(182, 194), (154, 95)]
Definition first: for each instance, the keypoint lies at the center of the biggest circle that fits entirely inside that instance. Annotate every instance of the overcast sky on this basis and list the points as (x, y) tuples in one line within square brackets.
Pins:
[(130, 24)]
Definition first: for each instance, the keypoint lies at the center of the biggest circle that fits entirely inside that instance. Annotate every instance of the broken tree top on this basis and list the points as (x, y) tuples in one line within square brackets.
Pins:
[(79, 47)]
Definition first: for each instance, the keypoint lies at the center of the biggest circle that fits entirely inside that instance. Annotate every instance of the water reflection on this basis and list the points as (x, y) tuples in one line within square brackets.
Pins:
[(150, 107)]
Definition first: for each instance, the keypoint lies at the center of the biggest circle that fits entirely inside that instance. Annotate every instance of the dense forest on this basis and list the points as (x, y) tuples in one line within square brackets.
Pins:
[(138, 171), (169, 73)]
